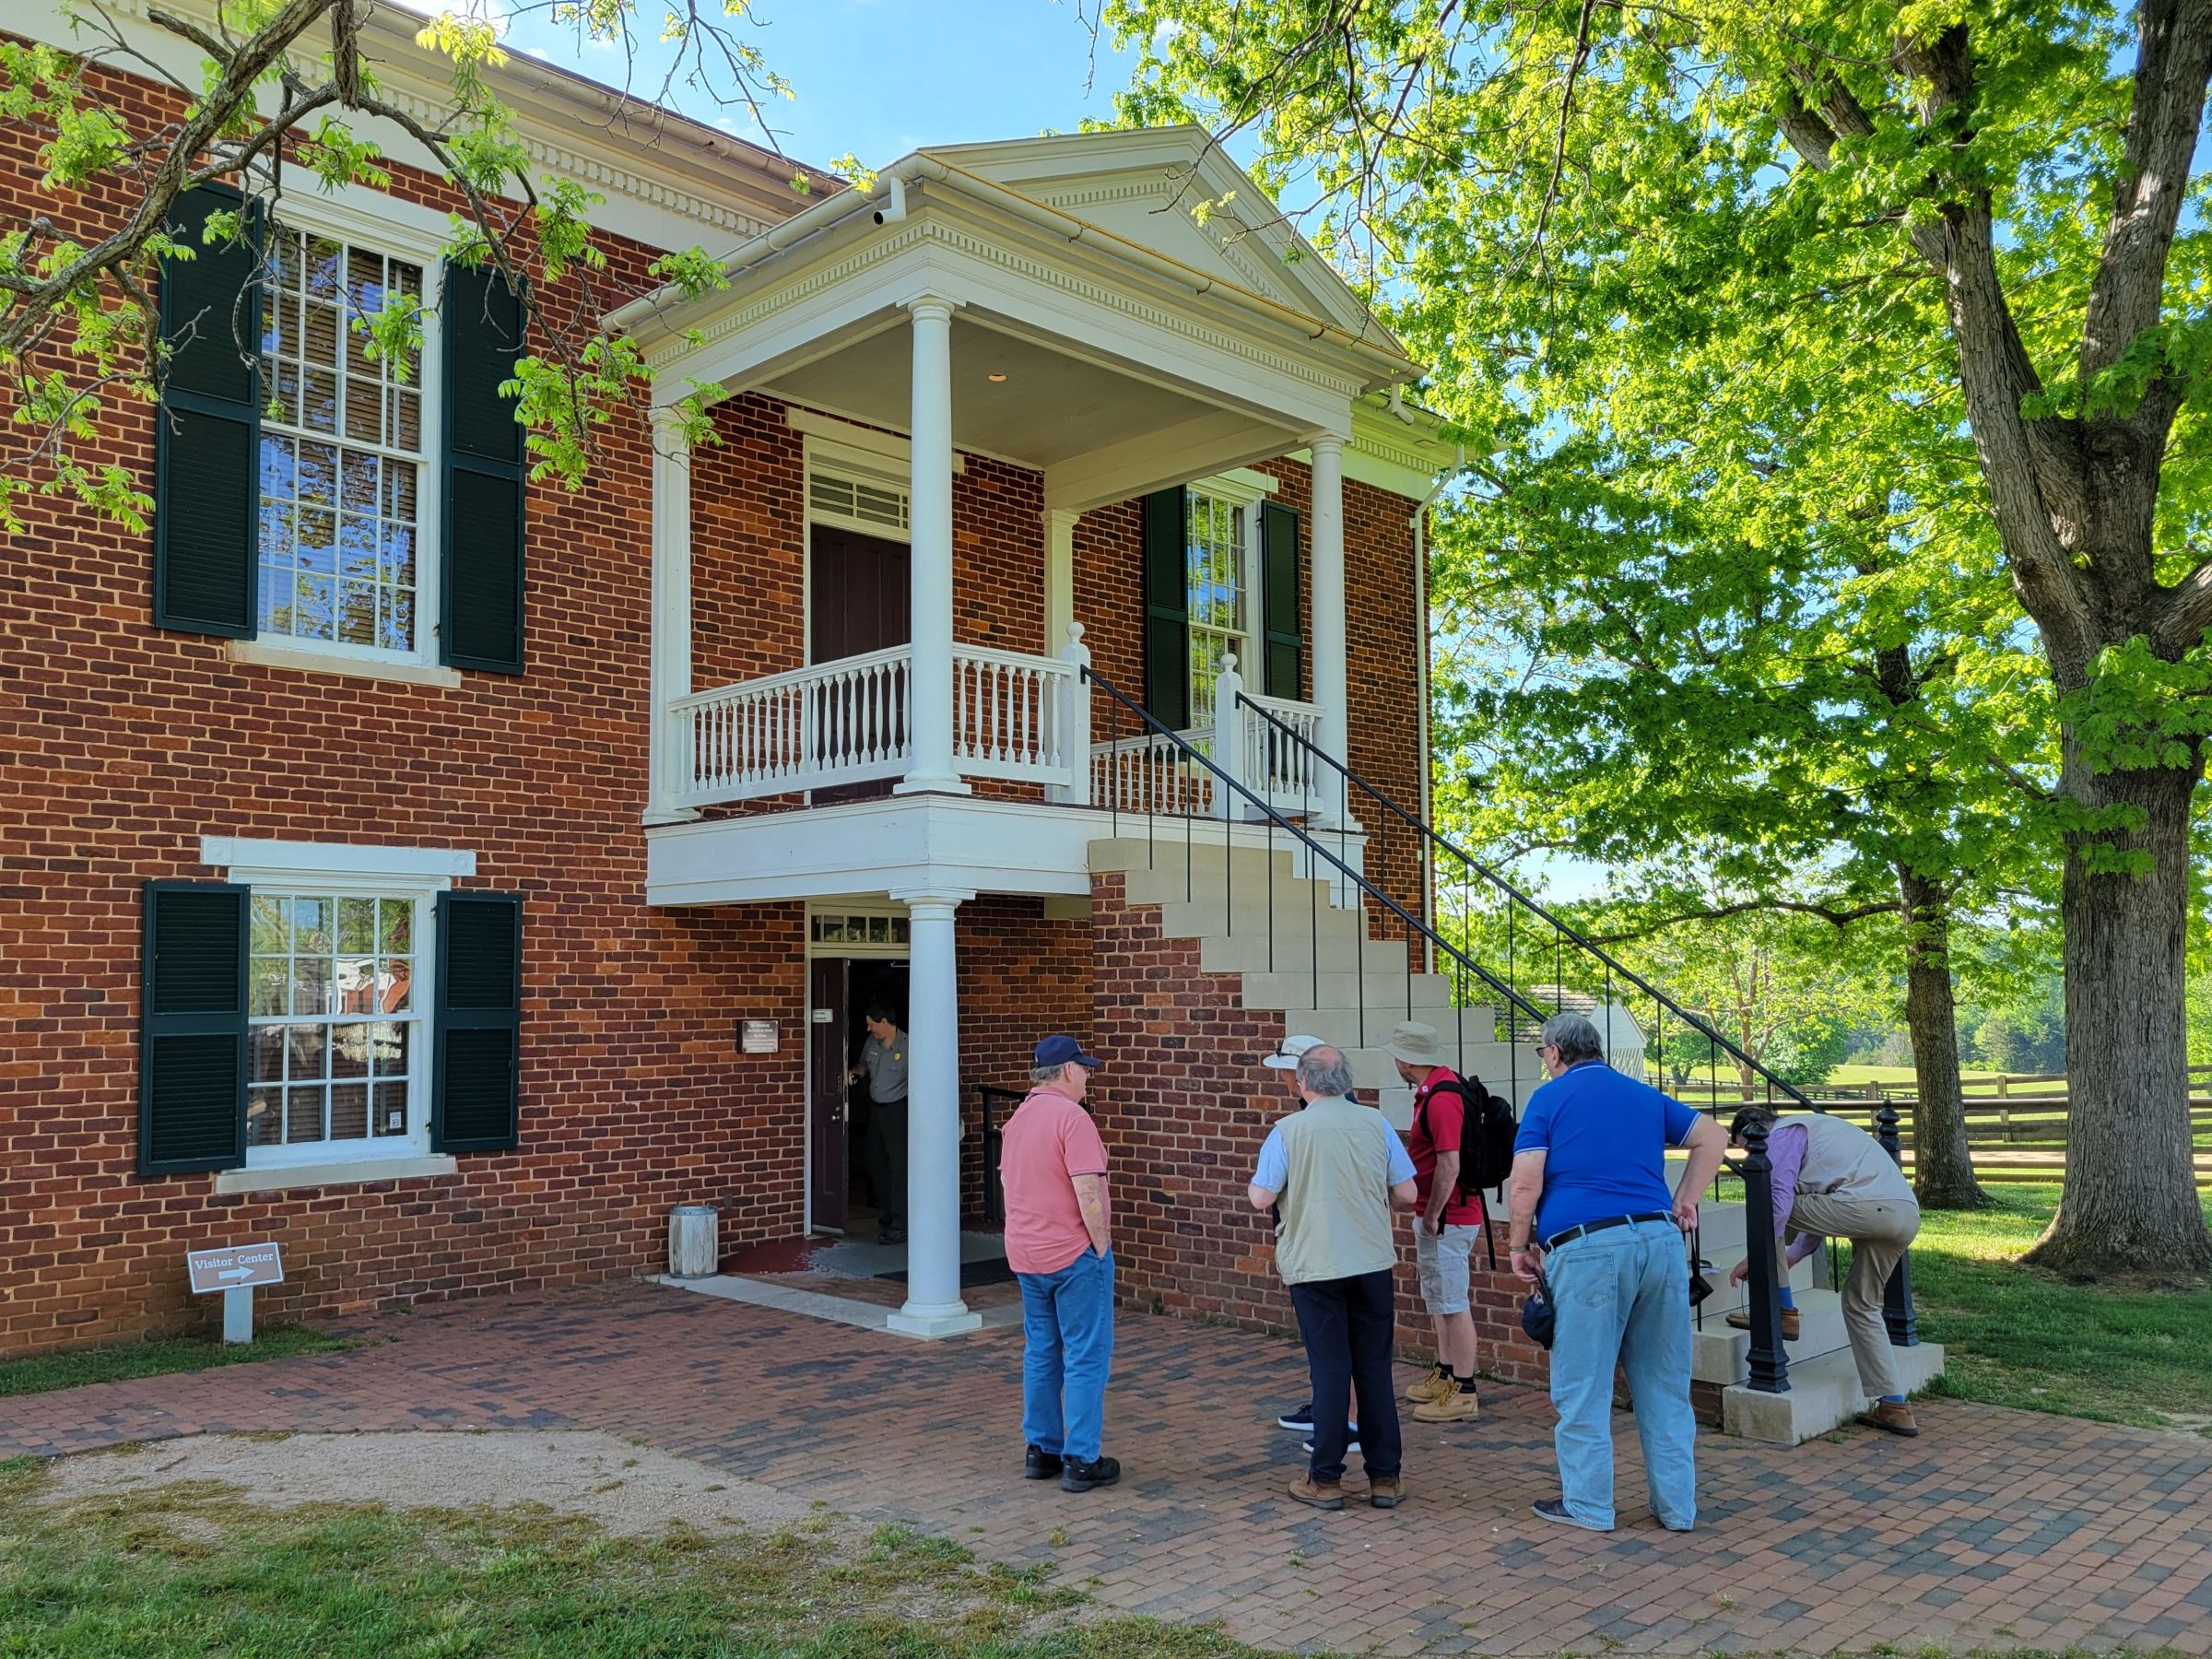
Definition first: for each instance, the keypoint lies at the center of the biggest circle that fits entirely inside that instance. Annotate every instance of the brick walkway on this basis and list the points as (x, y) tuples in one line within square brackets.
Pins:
[(1994, 1528)]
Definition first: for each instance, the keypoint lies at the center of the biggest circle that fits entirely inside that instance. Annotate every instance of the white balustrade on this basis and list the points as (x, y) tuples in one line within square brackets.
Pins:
[(1007, 715), (1151, 774), (1283, 770), (843, 721)]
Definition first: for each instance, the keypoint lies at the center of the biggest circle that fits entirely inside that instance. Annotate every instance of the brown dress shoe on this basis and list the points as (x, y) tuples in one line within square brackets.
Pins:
[(1741, 1321), (1896, 1416), (1321, 1494), (1385, 1491)]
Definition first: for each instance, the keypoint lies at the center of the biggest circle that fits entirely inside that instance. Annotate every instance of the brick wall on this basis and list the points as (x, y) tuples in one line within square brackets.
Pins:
[(1183, 1106), (120, 747)]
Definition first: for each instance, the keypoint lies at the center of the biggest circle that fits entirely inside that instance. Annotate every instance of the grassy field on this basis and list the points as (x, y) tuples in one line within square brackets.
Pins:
[(43, 1371), (2018, 1337), (1893, 1075)]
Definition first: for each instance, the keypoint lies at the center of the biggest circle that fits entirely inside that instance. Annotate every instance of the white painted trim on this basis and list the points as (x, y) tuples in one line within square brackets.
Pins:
[(874, 446), (336, 1171), (312, 656), (1239, 485), (282, 860), (355, 213)]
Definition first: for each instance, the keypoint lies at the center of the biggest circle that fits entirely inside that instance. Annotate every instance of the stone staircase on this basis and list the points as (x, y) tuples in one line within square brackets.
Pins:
[(1304, 959)]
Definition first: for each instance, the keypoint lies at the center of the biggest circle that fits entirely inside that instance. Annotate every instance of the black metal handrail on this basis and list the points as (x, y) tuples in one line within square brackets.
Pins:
[(1613, 965), (1188, 752), (1768, 1364)]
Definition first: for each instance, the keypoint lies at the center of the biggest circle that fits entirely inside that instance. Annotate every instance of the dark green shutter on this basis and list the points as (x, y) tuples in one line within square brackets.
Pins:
[(474, 1095), (1285, 651), (207, 430), (1168, 608), (191, 1032), (481, 625)]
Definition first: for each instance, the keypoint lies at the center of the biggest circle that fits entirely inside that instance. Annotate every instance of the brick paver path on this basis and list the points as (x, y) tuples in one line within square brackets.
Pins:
[(1994, 1528)]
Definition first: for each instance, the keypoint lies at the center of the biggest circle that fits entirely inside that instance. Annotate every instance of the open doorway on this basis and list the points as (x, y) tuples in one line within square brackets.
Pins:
[(849, 1170)]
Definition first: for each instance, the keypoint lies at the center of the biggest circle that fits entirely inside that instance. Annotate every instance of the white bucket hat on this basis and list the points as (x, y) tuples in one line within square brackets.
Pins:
[(1416, 1044), (1294, 1049)]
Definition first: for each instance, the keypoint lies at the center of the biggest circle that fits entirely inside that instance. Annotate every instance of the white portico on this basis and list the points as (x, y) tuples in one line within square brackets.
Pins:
[(1053, 304)]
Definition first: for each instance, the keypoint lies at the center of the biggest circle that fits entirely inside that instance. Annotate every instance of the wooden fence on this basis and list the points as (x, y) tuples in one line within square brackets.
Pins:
[(2015, 1126)]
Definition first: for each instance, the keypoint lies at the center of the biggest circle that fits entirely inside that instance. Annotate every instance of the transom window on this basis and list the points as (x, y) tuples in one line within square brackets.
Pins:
[(341, 449), (1219, 595), (333, 1030)]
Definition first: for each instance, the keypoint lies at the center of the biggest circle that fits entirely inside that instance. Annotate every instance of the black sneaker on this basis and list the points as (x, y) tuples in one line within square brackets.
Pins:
[(1075, 1476), (1300, 1421), (1040, 1465), (1351, 1445)]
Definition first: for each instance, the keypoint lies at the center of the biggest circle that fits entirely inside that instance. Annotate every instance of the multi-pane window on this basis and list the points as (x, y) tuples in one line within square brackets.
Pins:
[(1219, 596), (334, 1031), (341, 447)]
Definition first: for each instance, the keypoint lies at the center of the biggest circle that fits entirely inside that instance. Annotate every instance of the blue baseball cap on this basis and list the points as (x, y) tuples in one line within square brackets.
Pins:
[(1059, 1050)]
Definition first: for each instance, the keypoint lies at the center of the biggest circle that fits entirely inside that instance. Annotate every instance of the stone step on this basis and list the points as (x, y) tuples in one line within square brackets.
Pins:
[(1428, 995), (1281, 949), (1251, 918), (1824, 1394), (1808, 1275), (1720, 1354)]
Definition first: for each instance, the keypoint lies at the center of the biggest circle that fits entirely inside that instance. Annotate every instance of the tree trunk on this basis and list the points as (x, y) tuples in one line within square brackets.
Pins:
[(1943, 1170), (2130, 1204)]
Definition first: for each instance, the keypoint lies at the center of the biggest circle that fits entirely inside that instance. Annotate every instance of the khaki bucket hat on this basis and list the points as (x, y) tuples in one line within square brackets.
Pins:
[(1416, 1044)]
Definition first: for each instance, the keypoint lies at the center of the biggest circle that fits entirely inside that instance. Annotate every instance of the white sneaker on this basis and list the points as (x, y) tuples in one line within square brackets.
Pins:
[(1350, 1446)]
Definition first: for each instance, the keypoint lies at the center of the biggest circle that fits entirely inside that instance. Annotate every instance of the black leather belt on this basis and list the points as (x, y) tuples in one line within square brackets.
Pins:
[(1572, 1233)]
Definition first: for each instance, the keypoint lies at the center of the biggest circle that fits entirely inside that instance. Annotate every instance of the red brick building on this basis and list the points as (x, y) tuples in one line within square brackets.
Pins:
[(444, 874)]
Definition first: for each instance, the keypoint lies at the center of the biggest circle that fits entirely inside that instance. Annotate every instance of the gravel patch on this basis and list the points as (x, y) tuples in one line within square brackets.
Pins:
[(625, 1489)]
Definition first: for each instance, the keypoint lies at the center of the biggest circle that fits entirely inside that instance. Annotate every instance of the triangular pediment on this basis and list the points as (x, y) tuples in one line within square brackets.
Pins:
[(1147, 186)]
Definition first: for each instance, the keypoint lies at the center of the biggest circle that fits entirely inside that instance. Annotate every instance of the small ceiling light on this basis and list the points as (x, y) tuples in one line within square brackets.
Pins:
[(995, 379)]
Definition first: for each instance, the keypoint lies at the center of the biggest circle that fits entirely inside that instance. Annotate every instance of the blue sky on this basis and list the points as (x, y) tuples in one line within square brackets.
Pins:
[(881, 78)]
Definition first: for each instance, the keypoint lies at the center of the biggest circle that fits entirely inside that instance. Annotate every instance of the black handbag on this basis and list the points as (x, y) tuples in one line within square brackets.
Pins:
[(1539, 1318)]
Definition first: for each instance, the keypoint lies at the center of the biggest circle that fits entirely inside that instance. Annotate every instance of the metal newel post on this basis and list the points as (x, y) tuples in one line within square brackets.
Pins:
[(1770, 1367), (1897, 1295)]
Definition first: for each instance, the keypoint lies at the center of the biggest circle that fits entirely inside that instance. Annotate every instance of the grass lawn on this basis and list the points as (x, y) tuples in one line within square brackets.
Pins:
[(188, 1569), (1902, 1075), (42, 1371), (2014, 1337)]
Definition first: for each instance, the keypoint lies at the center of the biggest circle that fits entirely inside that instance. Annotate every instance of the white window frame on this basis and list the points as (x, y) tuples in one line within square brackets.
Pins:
[(366, 218), (840, 449), (322, 869)]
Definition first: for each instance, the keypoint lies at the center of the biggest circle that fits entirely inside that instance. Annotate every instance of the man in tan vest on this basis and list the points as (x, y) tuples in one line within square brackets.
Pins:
[(1832, 1179), (1336, 1170)]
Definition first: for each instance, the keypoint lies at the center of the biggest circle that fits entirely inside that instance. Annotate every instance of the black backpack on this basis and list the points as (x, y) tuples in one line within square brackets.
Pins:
[(1486, 1138)]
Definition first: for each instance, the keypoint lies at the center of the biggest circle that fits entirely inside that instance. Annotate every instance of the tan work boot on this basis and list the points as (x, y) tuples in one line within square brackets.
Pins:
[(1458, 1407), (1385, 1491), (1897, 1418), (1741, 1321), (1321, 1494), (1435, 1385)]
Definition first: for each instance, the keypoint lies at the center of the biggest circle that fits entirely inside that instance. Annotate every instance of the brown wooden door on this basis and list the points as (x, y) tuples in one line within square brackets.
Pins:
[(858, 601), (826, 1129), (859, 598)]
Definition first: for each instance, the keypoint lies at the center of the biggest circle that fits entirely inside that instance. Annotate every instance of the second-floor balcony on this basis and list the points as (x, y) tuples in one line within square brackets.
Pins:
[(1013, 716)]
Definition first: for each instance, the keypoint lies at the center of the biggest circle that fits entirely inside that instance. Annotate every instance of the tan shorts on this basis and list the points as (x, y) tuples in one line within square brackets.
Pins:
[(1443, 1260)]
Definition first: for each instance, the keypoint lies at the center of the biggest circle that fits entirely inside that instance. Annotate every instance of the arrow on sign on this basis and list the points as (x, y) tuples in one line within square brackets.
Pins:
[(235, 1272)]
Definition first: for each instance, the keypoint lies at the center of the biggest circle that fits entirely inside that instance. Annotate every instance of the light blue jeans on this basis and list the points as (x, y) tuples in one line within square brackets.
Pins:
[(1623, 1294), (1067, 1349)]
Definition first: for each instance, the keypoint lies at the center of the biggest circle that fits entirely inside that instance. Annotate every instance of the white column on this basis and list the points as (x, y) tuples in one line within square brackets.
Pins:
[(1075, 720), (1331, 690), (934, 1307), (929, 712), (671, 660), (1059, 575), (1228, 743)]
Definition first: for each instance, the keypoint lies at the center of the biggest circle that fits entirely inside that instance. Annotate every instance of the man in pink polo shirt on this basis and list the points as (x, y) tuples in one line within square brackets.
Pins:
[(1060, 1246)]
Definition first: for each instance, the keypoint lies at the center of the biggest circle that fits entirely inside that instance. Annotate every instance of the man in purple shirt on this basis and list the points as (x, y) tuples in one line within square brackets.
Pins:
[(1833, 1180)]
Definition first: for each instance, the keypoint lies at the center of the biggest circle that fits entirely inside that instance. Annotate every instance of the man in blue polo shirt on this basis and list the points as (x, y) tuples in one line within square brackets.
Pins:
[(1589, 1194)]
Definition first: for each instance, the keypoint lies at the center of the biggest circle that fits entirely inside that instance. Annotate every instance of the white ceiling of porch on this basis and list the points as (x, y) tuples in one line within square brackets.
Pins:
[(1051, 406)]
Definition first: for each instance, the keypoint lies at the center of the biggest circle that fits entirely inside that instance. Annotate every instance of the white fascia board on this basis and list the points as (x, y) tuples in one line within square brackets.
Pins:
[(826, 434), (337, 859)]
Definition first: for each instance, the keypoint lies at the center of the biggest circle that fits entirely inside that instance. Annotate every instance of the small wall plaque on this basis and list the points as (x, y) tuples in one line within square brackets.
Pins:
[(757, 1037)]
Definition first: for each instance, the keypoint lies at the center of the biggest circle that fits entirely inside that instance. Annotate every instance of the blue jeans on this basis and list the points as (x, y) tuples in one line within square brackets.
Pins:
[(1347, 1323), (1067, 1348), (1623, 1295)]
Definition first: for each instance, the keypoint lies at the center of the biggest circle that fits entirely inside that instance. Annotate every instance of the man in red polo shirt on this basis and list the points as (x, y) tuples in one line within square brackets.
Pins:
[(1445, 1224)]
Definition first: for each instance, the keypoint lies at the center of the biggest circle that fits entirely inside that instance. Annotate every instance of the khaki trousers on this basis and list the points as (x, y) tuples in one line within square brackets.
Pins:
[(1879, 1229)]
